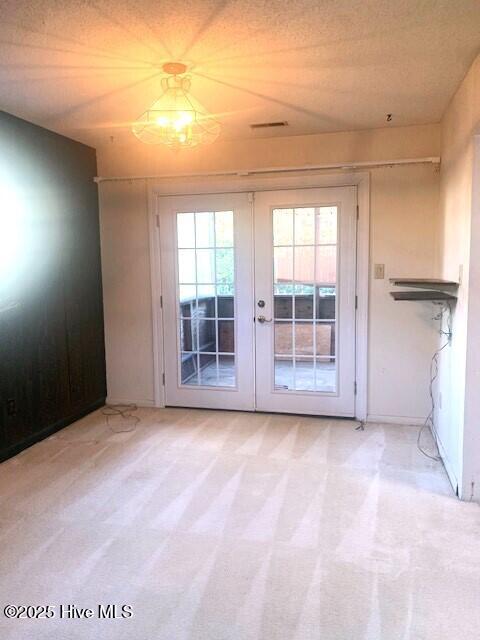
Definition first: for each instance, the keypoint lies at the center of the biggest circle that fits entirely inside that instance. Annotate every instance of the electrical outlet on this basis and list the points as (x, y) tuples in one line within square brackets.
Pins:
[(379, 271), (11, 407)]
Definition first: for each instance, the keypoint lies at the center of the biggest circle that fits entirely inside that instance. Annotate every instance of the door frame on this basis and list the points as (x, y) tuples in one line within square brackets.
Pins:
[(243, 182)]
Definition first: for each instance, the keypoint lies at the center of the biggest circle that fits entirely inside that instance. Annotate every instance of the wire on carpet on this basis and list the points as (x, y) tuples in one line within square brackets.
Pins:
[(125, 411)]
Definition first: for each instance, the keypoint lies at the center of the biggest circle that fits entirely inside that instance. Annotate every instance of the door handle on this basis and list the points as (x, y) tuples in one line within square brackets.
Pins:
[(262, 319)]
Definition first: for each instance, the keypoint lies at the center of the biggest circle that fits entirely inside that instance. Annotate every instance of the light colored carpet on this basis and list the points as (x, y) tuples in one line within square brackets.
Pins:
[(231, 526)]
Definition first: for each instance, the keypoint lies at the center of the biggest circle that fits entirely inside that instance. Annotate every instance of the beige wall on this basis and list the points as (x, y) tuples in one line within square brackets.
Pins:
[(459, 412), (126, 291), (134, 158), (404, 205)]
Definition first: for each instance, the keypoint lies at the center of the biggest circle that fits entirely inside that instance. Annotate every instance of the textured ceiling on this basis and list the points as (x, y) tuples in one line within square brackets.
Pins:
[(87, 68)]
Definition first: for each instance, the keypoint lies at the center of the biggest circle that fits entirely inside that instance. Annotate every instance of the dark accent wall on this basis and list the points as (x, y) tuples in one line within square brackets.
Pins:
[(52, 355)]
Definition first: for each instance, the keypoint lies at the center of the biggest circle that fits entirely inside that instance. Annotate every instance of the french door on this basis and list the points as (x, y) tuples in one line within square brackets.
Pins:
[(207, 289), (259, 300)]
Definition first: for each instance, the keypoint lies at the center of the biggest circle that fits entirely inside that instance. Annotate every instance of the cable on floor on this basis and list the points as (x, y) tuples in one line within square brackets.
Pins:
[(430, 419), (125, 411)]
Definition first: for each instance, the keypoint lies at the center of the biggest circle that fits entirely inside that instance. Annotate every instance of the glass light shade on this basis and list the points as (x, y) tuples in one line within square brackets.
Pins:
[(176, 119)]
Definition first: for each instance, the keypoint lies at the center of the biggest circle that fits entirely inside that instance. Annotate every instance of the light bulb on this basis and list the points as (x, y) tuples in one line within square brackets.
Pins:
[(185, 118)]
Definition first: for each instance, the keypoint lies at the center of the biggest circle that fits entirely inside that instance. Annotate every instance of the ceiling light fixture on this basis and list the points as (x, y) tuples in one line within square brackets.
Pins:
[(176, 119)]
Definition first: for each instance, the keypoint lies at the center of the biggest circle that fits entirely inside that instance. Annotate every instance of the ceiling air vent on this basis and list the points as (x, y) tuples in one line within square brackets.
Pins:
[(268, 125)]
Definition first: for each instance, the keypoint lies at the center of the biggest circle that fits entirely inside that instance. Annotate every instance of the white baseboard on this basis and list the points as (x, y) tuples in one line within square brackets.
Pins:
[(139, 403), (402, 420)]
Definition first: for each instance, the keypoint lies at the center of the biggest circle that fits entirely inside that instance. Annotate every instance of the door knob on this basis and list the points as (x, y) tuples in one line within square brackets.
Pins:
[(262, 319)]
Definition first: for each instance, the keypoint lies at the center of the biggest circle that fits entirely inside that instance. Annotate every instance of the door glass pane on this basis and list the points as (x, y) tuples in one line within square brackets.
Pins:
[(224, 265), (225, 290), (305, 226), (186, 230), (206, 298), (226, 308), (226, 336), (283, 305), (283, 227), (207, 340), (325, 339), (326, 264), (304, 339), (206, 301), (224, 228), (304, 374), (325, 375), (189, 367), (282, 265), (305, 272), (208, 374), (304, 303), (205, 229), (226, 371), (284, 373), (205, 266), (186, 266), (187, 300), (326, 225), (325, 303), (188, 335), (284, 338)]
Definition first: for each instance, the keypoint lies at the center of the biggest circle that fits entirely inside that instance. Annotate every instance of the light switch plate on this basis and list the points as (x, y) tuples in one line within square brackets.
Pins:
[(379, 271)]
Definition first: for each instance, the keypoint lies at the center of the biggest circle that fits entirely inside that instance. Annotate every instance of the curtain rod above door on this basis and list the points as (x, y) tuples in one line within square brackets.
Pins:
[(249, 172)]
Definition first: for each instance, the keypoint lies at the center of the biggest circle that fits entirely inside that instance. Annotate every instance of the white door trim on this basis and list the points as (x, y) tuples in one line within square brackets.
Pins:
[(204, 185), (157, 311)]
